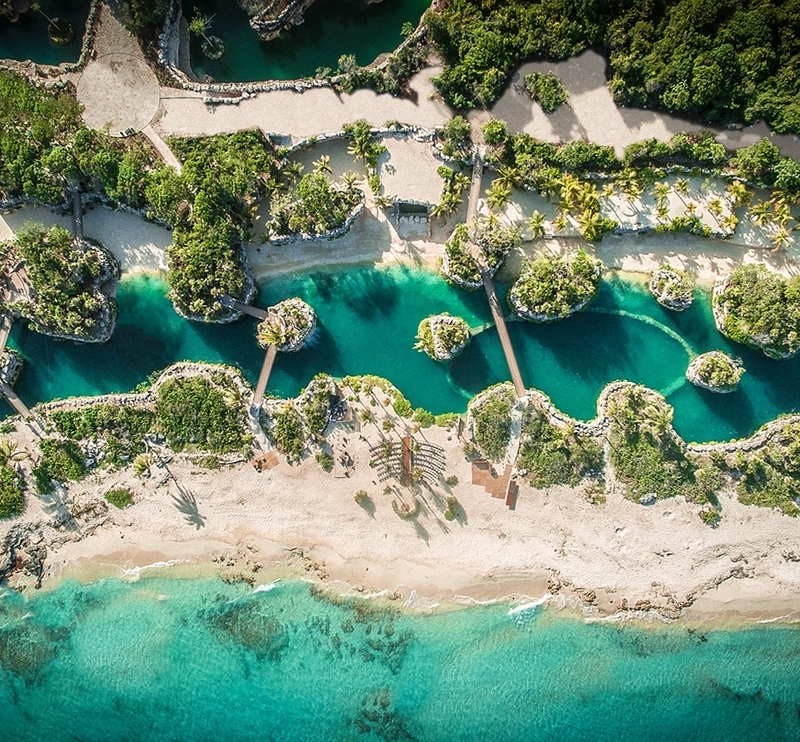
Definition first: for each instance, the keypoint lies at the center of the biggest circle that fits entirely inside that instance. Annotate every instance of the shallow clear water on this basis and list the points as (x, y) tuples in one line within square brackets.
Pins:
[(202, 660), (28, 38), (331, 28), (368, 318)]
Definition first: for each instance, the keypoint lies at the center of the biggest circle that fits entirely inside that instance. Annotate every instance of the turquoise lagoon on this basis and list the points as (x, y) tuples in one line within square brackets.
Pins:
[(330, 29), (368, 320), (188, 660), (28, 38)]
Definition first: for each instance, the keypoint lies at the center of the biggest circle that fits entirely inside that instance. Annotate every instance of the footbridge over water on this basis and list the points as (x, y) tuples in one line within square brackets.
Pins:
[(269, 356), (486, 278)]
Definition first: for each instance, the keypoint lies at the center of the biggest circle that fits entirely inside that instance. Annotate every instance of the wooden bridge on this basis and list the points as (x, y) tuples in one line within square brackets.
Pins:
[(486, 277), (272, 350)]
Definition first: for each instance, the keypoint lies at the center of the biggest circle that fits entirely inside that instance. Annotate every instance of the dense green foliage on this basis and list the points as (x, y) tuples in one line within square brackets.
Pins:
[(761, 309), (61, 461), (64, 278), (551, 287), (456, 138), (671, 288), (222, 177), (12, 501), (493, 238), (546, 90), (287, 430), (719, 371), (288, 325), (442, 336), (770, 477), (196, 414), (553, 455), (119, 497), (314, 403), (491, 420), (145, 19), (313, 207), (121, 429), (647, 458), (731, 60)]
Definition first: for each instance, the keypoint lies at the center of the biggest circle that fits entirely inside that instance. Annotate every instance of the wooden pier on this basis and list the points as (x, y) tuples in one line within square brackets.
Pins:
[(263, 377)]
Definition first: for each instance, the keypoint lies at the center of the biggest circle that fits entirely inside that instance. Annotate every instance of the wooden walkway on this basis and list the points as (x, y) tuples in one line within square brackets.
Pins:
[(231, 303), (263, 377), (77, 214), (488, 285)]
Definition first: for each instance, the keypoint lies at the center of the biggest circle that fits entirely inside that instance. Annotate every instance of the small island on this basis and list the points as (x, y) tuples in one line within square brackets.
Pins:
[(493, 239), (716, 372), (760, 309), (552, 287), (442, 336), (289, 325), (672, 288), (63, 286)]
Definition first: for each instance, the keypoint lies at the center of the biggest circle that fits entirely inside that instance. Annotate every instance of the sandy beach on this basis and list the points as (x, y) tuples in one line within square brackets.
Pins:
[(301, 521)]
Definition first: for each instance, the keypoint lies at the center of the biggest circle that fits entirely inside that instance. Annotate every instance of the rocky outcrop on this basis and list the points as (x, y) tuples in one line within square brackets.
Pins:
[(716, 372), (672, 289)]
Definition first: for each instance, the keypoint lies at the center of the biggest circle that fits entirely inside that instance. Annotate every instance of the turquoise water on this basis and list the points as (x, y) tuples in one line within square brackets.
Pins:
[(28, 38), (193, 660), (331, 29), (367, 322)]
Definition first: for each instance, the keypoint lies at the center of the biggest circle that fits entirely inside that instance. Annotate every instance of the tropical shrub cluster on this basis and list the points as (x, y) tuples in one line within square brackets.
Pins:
[(367, 149), (120, 429), (672, 288), (455, 139), (455, 183), (551, 455), (65, 278), (195, 413), (648, 460), (715, 371), (491, 420), (289, 324), (493, 239), (442, 336), (552, 287), (315, 206), (760, 309), (720, 61), (60, 461), (546, 90), (287, 432), (12, 500)]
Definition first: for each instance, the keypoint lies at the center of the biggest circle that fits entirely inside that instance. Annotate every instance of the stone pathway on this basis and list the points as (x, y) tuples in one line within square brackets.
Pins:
[(163, 148)]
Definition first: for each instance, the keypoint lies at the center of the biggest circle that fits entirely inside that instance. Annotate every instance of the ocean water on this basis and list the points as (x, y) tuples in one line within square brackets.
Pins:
[(368, 318), (187, 660), (330, 29)]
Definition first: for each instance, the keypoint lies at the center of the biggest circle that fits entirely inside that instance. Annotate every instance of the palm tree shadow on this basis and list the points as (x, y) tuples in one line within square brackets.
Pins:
[(186, 503)]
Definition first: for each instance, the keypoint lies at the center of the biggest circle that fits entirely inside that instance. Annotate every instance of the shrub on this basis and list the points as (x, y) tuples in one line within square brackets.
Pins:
[(120, 497), (760, 309), (194, 413), (495, 132), (452, 509), (288, 433), (60, 461), (710, 516), (325, 460), (491, 416), (451, 481), (12, 501), (546, 90)]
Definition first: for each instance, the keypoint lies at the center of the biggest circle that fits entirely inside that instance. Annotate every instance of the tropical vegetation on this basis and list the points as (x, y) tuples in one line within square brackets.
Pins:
[(552, 287), (442, 337), (288, 324), (66, 278), (494, 241), (546, 90), (761, 309), (491, 420), (12, 499), (715, 371), (671, 288)]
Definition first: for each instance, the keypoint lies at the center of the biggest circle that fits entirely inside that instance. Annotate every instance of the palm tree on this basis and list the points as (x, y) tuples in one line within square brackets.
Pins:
[(759, 213), (691, 208), (560, 222), (782, 213), (662, 212), (715, 208), (729, 222), (608, 190), (293, 170), (591, 224), (536, 225), (589, 196), (349, 180), (662, 191), (509, 176), (569, 191), (498, 195), (323, 165), (738, 194), (780, 239), (682, 188), (9, 451)]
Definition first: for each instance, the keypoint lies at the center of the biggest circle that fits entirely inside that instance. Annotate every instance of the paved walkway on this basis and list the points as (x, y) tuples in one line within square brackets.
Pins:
[(163, 148)]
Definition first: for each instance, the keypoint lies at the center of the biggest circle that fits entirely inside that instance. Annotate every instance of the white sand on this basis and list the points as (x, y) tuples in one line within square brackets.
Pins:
[(620, 550)]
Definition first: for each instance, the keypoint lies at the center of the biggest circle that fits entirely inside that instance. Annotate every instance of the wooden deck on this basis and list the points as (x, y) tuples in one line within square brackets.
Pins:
[(263, 377)]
